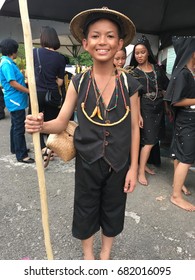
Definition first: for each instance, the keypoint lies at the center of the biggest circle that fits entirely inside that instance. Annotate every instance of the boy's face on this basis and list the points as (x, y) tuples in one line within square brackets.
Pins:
[(103, 41)]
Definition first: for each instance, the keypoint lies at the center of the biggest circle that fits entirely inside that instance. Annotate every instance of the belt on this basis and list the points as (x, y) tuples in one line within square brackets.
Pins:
[(189, 108), (192, 107), (153, 95)]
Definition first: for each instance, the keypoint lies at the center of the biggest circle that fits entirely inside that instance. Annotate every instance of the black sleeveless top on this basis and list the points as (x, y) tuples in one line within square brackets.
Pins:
[(109, 142)]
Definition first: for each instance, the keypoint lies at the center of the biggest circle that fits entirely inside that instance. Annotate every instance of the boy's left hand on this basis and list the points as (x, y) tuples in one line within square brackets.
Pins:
[(130, 181)]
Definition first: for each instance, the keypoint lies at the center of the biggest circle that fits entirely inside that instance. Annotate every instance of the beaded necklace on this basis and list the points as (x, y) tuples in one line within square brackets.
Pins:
[(99, 94), (97, 111), (154, 80)]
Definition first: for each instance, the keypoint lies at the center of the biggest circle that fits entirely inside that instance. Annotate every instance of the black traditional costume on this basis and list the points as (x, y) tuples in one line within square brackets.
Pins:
[(103, 148), (151, 101), (182, 86), (152, 104)]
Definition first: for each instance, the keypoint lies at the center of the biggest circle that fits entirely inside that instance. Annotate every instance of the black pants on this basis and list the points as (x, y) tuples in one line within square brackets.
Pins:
[(2, 105), (99, 200)]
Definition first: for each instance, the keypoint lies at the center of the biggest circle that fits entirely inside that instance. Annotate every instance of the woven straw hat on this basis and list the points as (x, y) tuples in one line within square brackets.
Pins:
[(78, 22), (63, 144)]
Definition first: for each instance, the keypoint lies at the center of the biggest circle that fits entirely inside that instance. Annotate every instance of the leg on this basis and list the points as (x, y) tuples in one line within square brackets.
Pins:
[(107, 243), (18, 134), (144, 155), (87, 246), (184, 189), (178, 181), (149, 171), (12, 145), (2, 105)]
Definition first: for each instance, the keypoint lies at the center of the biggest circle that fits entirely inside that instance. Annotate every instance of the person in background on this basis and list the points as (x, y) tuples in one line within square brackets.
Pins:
[(67, 78), (152, 120), (106, 135), (50, 77), (16, 98), (120, 58), (181, 94), (78, 69), (2, 105)]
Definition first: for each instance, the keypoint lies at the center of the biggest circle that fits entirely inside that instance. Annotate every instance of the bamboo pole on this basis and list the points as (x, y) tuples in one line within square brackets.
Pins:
[(36, 136)]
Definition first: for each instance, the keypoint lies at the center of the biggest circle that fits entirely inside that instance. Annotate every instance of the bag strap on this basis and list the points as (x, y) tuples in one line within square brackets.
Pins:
[(41, 68)]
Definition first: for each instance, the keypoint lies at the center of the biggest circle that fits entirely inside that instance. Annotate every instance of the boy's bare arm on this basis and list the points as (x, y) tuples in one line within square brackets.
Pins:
[(131, 177)]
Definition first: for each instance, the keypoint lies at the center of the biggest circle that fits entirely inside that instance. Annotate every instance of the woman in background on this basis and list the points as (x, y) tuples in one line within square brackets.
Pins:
[(16, 98), (49, 77), (152, 122)]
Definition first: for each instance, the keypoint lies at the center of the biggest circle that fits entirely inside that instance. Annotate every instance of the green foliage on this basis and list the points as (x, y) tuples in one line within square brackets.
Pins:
[(21, 63), (85, 59), (21, 51), (20, 60)]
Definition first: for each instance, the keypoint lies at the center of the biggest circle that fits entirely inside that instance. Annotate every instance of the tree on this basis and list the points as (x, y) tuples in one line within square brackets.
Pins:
[(85, 59)]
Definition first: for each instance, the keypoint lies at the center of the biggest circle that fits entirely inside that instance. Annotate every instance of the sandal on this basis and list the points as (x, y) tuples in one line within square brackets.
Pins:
[(47, 156), (27, 160)]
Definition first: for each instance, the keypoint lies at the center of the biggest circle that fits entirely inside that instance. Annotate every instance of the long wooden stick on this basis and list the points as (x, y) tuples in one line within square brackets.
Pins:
[(36, 136)]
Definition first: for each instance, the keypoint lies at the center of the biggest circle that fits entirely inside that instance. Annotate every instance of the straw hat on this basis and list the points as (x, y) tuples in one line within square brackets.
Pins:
[(78, 23)]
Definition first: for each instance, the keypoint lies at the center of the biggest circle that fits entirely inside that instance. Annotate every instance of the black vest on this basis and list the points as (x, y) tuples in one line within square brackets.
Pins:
[(112, 142)]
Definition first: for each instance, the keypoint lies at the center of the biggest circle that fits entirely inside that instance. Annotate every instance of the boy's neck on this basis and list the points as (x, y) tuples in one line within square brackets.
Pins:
[(103, 69)]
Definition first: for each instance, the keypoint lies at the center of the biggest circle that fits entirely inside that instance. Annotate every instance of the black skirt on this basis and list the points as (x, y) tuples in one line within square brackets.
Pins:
[(154, 121), (183, 144)]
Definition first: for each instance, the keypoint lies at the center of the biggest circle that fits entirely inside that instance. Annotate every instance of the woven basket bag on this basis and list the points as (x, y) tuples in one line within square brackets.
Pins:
[(62, 144)]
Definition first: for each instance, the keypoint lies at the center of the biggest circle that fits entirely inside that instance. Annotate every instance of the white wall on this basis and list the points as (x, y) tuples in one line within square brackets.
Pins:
[(12, 28)]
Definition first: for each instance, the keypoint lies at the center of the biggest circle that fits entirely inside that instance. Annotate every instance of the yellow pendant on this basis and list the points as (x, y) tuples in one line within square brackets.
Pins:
[(94, 113), (99, 113)]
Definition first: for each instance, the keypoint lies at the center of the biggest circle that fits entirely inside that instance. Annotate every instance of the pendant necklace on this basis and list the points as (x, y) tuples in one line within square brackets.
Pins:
[(107, 122), (99, 94)]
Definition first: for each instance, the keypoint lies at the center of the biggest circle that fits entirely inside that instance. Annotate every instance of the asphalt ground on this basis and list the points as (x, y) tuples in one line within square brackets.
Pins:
[(154, 229)]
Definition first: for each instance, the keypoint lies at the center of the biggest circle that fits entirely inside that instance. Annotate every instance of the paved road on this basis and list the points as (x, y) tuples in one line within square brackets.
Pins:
[(154, 228)]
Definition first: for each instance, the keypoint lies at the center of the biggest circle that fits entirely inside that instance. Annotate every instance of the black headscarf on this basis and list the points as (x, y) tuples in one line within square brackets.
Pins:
[(143, 41), (184, 46)]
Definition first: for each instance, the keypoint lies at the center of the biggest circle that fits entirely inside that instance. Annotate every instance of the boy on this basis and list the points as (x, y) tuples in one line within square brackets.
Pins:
[(108, 129)]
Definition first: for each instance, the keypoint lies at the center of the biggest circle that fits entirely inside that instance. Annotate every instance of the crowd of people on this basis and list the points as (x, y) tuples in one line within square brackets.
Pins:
[(121, 117)]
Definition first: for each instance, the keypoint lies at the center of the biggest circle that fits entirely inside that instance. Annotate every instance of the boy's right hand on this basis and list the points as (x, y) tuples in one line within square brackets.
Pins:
[(34, 124)]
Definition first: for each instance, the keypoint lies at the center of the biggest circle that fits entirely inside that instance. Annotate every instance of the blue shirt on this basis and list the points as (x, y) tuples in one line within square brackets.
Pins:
[(14, 100)]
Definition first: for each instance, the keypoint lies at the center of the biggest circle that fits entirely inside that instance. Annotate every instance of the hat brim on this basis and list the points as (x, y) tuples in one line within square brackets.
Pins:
[(78, 21)]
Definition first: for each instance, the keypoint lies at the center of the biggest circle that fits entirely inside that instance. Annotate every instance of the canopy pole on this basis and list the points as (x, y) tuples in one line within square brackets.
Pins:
[(36, 136)]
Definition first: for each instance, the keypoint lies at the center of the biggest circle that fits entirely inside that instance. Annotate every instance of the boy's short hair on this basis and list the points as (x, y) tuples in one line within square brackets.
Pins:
[(80, 23), (8, 47)]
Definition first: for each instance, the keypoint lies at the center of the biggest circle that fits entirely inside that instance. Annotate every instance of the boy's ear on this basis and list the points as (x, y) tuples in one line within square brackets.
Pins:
[(120, 45), (84, 43)]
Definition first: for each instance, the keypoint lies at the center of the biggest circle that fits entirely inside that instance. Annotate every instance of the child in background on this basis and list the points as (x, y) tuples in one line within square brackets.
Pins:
[(120, 58)]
